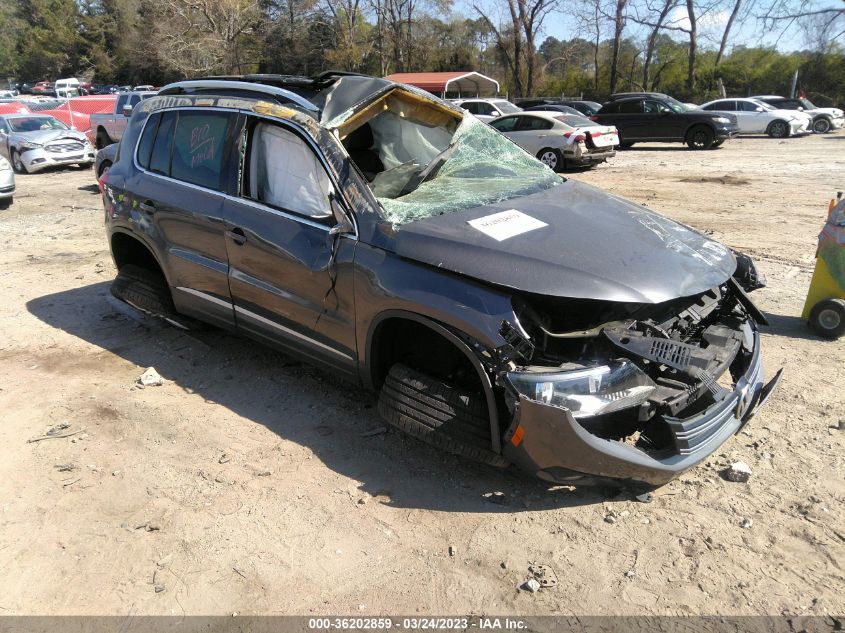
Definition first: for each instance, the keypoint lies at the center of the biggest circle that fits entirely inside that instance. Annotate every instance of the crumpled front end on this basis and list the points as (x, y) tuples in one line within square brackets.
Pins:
[(641, 397)]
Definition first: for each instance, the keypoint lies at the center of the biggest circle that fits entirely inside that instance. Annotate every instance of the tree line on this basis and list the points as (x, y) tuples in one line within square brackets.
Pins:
[(688, 48)]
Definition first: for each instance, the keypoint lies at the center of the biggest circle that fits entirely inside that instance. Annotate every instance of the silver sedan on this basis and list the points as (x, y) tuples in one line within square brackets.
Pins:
[(7, 183), (33, 142)]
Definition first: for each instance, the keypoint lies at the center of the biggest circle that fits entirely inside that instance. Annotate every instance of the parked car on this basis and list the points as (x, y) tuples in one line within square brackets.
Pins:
[(587, 108), (756, 117), (67, 88), (500, 312), (32, 142), (560, 140), (44, 88), (26, 87), (554, 107), (824, 119), (7, 183), (666, 120), (104, 159), (107, 127), (486, 109)]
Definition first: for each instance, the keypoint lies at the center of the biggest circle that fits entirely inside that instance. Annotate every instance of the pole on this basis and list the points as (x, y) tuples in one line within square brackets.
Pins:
[(794, 83)]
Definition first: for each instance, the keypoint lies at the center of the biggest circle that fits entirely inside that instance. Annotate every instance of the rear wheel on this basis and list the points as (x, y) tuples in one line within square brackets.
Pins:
[(700, 137), (827, 318), (439, 414), (778, 129), (103, 168), (821, 125), (144, 289), (103, 139), (551, 157), (718, 143), (17, 163)]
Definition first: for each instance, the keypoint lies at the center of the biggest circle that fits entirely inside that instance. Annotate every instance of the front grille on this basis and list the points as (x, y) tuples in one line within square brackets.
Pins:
[(671, 353), (7, 189), (74, 146)]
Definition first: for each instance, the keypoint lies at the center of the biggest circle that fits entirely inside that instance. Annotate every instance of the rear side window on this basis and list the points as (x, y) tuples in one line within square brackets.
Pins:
[(631, 107), (530, 123), (160, 156), (470, 107), (198, 148)]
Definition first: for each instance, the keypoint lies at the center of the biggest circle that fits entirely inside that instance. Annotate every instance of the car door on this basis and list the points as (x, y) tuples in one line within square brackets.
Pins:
[(633, 121), (4, 139), (111, 121), (662, 122), (290, 275), (177, 200), (531, 132), (752, 117)]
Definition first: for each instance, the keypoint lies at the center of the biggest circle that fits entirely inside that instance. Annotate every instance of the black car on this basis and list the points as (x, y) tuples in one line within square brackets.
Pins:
[(649, 118), (499, 311), (587, 108)]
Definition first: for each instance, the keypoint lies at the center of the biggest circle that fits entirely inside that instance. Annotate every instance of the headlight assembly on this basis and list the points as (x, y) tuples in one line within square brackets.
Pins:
[(586, 392), (29, 145), (723, 120)]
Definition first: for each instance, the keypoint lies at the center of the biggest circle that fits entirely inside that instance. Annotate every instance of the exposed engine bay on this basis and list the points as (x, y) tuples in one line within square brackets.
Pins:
[(629, 371)]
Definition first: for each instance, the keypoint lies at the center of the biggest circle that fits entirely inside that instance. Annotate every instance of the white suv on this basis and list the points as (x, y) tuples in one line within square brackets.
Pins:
[(487, 109), (755, 117)]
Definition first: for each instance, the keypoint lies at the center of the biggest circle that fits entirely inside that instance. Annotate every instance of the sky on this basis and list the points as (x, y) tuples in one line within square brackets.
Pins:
[(746, 30)]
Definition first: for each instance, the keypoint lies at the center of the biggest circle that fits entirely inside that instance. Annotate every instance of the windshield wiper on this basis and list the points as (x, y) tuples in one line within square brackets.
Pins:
[(429, 172)]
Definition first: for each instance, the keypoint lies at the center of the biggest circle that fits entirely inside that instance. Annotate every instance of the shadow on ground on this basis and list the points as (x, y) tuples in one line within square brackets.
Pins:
[(304, 405), (791, 326)]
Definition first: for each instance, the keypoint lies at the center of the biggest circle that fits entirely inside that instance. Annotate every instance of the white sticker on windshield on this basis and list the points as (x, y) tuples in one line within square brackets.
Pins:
[(500, 226)]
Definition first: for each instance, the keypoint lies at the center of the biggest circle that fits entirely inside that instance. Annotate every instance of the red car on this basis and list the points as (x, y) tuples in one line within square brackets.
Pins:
[(43, 88)]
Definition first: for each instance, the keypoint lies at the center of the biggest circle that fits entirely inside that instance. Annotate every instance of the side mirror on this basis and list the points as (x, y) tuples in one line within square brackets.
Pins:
[(495, 113), (758, 109), (801, 108), (127, 110)]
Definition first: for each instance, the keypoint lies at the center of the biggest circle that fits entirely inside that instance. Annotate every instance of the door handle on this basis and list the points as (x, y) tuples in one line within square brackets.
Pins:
[(147, 206), (237, 236)]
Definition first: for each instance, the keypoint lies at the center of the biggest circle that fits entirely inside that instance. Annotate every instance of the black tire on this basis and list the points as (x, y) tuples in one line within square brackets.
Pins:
[(827, 318), (17, 163), (778, 129), (551, 158), (5, 203), (103, 139), (103, 168), (438, 414), (144, 289), (700, 137), (821, 125), (718, 143)]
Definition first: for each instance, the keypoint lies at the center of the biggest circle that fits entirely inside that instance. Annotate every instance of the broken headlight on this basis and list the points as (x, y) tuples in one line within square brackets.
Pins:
[(588, 391)]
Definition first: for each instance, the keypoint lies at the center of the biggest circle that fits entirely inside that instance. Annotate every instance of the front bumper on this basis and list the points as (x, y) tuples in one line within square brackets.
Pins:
[(836, 124), (548, 442), (800, 126), (726, 132), (37, 159)]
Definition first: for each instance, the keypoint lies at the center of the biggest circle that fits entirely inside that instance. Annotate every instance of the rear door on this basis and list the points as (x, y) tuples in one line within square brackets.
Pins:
[(531, 133), (178, 195), (633, 122), (290, 278)]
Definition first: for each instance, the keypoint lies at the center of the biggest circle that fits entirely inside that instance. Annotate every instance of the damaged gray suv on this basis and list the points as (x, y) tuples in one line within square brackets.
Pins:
[(499, 311)]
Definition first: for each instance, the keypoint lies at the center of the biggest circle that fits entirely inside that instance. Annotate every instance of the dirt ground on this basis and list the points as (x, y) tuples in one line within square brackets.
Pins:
[(248, 483)]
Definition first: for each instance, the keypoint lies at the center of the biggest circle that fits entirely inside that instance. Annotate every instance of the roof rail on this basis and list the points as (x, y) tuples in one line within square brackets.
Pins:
[(238, 83)]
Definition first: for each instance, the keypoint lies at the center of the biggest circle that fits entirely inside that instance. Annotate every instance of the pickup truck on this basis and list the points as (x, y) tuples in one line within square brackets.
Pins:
[(107, 128)]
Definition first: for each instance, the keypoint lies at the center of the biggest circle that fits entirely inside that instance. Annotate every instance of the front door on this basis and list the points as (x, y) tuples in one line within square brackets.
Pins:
[(290, 278)]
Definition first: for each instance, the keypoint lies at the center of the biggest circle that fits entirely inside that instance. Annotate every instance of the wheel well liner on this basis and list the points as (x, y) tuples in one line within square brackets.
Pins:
[(127, 249), (388, 325)]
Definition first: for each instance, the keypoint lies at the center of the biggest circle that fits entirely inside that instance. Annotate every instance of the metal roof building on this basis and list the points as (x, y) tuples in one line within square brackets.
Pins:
[(461, 83)]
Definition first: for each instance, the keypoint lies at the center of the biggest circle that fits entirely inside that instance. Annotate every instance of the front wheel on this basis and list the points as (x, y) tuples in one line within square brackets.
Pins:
[(779, 129), (700, 138), (17, 163), (447, 417), (718, 143), (827, 318), (551, 158), (821, 126)]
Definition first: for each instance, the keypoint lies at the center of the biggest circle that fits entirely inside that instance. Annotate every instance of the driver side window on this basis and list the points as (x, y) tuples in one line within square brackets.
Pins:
[(284, 173)]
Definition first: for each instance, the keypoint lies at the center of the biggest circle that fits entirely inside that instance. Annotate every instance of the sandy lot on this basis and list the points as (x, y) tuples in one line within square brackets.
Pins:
[(246, 483)]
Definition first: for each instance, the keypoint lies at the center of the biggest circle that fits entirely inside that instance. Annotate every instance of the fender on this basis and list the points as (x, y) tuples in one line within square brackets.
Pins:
[(141, 239)]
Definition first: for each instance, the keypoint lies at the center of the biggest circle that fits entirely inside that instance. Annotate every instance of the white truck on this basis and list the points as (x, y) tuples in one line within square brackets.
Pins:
[(108, 127)]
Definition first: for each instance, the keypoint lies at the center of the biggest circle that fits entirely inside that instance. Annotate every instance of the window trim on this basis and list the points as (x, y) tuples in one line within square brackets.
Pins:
[(245, 114)]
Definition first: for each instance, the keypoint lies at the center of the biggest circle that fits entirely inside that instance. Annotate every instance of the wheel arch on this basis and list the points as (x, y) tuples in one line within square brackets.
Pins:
[(698, 124), (129, 248), (771, 123), (377, 358)]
